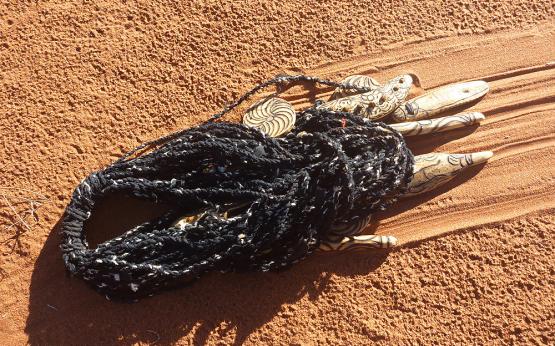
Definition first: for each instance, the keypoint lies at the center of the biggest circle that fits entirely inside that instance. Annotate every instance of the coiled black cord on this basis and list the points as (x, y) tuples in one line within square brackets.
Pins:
[(282, 195)]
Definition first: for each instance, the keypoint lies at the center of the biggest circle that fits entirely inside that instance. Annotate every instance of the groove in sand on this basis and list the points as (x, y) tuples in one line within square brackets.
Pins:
[(518, 180)]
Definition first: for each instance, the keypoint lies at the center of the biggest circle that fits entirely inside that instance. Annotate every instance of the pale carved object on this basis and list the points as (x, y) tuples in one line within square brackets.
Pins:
[(423, 127), (360, 242), (273, 116), (435, 169), (374, 104), (360, 81), (413, 117), (440, 100)]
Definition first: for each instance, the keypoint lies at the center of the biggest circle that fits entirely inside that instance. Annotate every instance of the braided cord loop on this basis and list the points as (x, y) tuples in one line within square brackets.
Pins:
[(282, 195)]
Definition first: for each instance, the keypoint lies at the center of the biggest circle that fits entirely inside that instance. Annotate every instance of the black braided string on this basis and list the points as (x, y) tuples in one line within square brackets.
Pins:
[(282, 196)]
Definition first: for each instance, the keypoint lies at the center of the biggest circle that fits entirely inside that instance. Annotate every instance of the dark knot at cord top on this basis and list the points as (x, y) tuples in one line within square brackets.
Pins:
[(281, 194)]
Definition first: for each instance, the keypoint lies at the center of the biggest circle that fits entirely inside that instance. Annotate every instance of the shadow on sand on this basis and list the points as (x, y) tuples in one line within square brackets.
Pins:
[(64, 310)]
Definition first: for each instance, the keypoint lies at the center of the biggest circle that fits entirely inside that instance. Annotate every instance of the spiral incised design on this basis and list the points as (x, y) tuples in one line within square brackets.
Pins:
[(273, 116)]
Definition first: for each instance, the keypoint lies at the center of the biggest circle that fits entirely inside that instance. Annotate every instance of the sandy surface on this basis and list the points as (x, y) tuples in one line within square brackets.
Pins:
[(82, 83)]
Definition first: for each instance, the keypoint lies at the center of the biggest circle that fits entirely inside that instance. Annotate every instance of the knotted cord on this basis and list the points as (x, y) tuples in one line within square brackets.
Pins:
[(281, 196)]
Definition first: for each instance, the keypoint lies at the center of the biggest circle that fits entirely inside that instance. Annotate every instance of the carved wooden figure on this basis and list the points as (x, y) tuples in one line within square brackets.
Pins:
[(275, 117), (374, 104)]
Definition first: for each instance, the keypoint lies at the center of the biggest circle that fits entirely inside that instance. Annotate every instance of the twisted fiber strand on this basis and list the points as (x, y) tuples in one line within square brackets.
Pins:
[(277, 81), (291, 191)]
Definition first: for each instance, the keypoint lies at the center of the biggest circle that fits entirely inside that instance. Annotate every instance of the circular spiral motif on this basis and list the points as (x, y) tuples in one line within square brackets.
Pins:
[(273, 116)]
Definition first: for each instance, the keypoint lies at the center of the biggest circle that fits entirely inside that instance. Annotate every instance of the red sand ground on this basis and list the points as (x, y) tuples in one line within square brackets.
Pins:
[(82, 82)]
